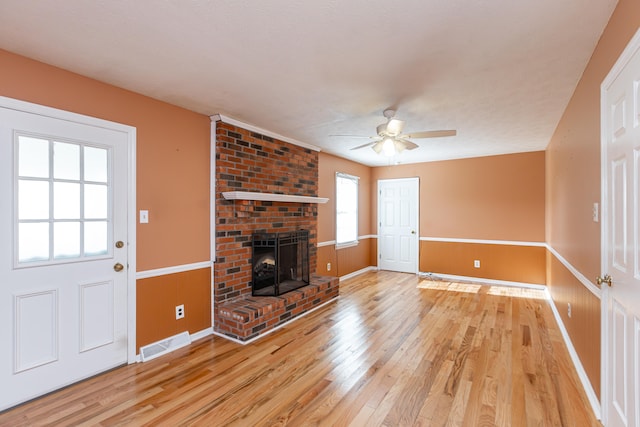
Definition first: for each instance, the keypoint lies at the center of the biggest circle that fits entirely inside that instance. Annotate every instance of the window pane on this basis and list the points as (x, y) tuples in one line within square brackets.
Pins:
[(346, 209), (33, 157), (66, 240), (95, 201), (33, 199), (95, 164), (33, 242), (95, 238), (66, 200), (66, 161)]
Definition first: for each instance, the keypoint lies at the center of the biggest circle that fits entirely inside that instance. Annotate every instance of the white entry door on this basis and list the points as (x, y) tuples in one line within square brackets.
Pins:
[(621, 240), (398, 201), (63, 251)]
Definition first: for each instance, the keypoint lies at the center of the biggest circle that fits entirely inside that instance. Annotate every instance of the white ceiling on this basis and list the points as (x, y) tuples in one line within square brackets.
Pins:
[(501, 72)]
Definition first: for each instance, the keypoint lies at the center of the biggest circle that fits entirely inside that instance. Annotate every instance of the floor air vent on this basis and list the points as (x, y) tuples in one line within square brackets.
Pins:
[(157, 349)]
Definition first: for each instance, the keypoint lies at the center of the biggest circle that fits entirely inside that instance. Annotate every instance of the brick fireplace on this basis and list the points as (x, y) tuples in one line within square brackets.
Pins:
[(247, 161)]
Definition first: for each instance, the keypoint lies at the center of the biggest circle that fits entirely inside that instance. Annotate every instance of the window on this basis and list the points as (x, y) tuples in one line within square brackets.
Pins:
[(346, 209), (63, 201)]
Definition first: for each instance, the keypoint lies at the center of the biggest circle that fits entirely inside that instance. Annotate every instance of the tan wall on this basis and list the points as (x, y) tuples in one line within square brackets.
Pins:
[(485, 198), (496, 197), (584, 324), (346, 260), (573, 185), (172, 155), (156, 302), (525, 264)]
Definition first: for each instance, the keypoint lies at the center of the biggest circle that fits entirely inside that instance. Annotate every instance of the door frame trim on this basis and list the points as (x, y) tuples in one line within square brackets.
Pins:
[(130, 131), (629, 51), (417, 242)]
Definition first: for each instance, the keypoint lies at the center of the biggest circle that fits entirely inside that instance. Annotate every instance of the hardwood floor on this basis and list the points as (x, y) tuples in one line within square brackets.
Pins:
[(386, 353)]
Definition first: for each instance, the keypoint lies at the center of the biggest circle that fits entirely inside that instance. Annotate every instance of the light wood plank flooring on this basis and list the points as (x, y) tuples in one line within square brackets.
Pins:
[(393, 350)]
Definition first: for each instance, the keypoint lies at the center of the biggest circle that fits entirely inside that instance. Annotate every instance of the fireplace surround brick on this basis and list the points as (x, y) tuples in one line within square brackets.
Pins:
[(248, 161)]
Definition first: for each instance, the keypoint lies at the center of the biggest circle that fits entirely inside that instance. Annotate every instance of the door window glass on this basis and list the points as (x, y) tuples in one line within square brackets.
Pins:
[(63, 200)]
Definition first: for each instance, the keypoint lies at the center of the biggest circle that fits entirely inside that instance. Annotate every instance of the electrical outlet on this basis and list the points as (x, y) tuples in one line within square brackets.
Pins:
[(328, 266), (476, 263), (569, 309), (179, 311)]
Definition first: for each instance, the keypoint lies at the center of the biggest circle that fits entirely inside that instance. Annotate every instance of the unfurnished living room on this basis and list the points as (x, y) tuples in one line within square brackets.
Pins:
[(357, 213)]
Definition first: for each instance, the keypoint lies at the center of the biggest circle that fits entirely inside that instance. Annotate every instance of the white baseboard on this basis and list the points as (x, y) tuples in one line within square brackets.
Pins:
[(582, 374), (357, 273), (483, 280)]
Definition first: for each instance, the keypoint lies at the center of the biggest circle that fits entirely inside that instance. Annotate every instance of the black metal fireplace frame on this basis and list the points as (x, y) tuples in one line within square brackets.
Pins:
[(274, 281)]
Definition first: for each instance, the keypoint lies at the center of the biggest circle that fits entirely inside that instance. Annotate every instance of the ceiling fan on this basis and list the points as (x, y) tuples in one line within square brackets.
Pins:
[(391, 140)]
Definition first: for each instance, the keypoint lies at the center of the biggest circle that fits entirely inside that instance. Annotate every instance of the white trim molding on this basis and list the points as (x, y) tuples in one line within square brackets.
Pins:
[(483, 242), (483, 280), (581, 277), (357, 273), (238, 123), (582, 374), (171, 270)]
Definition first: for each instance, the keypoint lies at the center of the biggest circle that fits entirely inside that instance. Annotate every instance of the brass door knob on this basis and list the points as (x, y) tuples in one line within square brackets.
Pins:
[(119, 244), (118, 267), (606, 279)]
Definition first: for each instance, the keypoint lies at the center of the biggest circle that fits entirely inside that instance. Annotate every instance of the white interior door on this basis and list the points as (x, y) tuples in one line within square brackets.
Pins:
[(63, 228), (621, 241), (398, 201)]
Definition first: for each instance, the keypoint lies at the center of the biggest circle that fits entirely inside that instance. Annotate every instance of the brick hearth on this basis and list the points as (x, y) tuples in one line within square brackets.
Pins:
[(248, 161)]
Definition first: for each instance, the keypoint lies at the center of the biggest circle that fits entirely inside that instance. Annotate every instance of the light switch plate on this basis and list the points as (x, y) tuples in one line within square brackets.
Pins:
[(144, 217)]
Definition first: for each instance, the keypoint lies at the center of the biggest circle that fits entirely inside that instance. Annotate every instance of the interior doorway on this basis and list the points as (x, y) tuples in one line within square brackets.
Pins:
[(398, 234)]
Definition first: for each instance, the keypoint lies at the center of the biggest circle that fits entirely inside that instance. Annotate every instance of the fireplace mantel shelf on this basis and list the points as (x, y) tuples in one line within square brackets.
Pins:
[(272, 197)]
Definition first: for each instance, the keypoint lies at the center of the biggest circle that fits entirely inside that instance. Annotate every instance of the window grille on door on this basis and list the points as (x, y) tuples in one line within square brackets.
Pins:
[(62, 200)]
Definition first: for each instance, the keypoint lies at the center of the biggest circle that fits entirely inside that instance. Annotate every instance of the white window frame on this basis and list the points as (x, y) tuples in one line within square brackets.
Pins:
[(356, 180)]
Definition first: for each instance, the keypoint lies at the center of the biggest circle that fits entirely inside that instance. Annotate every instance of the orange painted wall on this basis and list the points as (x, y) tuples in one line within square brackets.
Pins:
[(573, 185), (172, 154), (346, 260), (524, 264), (496, 197), (156, 302), (172, 162)]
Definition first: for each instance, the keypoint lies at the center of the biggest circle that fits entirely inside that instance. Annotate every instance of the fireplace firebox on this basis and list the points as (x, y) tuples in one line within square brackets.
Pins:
[(280, 262)]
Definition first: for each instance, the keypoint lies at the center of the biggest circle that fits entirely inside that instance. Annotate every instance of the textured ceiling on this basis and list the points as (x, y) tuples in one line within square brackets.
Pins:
[(499, 71)]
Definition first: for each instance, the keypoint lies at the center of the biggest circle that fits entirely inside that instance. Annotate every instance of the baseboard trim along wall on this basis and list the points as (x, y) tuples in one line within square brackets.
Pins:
[(453, 277), (357, 273), (582, 374)]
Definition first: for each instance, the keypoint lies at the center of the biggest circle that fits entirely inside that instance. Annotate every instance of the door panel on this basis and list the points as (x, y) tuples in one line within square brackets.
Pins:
[(63, 305), (620, 241), (398, 224)]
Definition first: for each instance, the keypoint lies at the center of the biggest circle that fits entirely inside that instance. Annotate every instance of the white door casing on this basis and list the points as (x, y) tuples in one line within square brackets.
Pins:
[(66, 314), (620, 118), (398, 234)]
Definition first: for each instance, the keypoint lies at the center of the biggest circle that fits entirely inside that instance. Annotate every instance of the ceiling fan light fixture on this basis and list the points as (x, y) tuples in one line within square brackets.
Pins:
[(389, 147)]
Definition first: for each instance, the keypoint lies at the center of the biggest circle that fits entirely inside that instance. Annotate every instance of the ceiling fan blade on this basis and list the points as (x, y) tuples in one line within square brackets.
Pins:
[(377, 146), (407, 145), (368, 144), (394, 127), (431, 134)]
